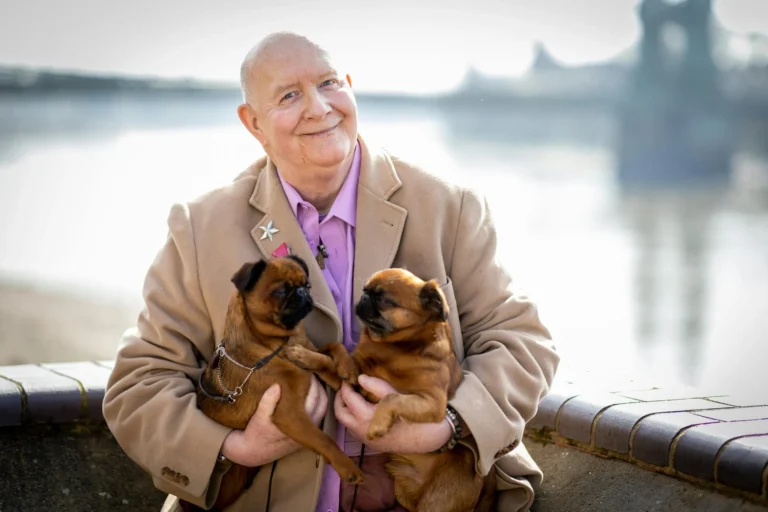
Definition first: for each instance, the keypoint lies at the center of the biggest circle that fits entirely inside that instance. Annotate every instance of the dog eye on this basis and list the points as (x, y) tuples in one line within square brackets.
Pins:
[(385, 301), (280, 293)]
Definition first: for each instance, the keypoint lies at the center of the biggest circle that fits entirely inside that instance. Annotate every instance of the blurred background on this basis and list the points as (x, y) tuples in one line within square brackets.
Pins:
[(623, 145)]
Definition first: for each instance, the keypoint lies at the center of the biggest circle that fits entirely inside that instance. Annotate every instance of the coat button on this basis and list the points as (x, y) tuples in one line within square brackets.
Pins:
[(506, 449)]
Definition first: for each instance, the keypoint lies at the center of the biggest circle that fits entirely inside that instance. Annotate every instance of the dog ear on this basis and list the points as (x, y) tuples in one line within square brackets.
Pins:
[(249, 273), (300, 262), (433, 300)]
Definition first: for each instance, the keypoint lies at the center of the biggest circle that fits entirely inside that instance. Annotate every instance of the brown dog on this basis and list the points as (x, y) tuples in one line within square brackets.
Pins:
[(406, 341), (263, 321)]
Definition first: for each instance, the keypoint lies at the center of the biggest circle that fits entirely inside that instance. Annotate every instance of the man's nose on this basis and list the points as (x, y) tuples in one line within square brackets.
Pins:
[(317, 105)]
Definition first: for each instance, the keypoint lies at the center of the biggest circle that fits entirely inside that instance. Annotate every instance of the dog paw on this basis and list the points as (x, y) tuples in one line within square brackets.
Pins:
[(296, 355), (351, 474), (376, 431), (348, 372)]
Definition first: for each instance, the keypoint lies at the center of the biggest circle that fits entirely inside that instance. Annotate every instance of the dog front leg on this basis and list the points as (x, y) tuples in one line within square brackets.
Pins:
[(294, 422), (413, 408), (343, 362), (321, 364)]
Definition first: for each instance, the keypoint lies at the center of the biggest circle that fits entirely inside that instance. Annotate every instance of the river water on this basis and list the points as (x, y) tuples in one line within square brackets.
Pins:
[(670, 286)]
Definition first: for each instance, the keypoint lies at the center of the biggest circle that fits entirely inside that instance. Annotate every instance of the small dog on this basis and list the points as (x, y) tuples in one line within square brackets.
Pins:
[(406, 341), (263, 322)]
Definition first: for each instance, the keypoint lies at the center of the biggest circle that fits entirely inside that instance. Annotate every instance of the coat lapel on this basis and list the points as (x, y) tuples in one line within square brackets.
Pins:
[(269, 198), (378, 230), (379, 223)]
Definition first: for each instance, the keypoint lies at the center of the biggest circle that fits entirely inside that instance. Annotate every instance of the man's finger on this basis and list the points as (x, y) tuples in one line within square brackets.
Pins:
[(320, 407), (378, 387), (343, 415), (268, 402), (312, 396), (357, 405)]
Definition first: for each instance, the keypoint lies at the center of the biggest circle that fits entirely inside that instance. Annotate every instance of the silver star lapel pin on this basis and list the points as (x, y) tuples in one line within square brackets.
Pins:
[(268, 231)]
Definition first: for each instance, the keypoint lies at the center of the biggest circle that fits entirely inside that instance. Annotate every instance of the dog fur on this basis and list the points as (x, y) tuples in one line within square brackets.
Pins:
[(265, 314), (406, 341)]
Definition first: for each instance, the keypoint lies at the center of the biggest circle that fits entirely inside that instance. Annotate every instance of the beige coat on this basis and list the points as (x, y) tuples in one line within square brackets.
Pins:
[(405, 218)]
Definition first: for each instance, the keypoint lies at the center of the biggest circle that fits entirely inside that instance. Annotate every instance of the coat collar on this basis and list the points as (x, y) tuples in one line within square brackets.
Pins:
[(379, 227)]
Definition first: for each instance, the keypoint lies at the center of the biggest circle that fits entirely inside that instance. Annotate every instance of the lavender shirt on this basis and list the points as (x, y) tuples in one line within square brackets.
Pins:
[(337, 231)]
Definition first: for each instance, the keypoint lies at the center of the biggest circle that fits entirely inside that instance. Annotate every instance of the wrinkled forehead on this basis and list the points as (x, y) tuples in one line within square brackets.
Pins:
[(283, 66)]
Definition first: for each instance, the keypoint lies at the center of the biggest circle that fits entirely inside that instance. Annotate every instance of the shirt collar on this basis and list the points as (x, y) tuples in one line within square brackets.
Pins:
[(345, 205)]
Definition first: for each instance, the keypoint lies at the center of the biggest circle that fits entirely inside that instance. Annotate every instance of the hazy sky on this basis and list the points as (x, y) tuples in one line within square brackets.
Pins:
[(406, 45)]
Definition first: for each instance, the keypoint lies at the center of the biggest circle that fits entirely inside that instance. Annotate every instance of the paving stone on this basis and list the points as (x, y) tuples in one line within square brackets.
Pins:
[(698, 446), (546, 415), (681, 393), (653, 436), (577, 414), (10, 404), (737, 414), (616, 423), (93, 379), (50, 397), (743, 400), (743, 462)]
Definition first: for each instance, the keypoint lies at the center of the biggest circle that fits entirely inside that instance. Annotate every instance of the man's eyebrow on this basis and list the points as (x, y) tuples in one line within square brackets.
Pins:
[(329, 73), (281, 88), (324, 76)]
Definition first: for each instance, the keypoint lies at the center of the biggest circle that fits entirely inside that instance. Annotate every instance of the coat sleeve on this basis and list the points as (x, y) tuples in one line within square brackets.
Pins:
[(509, 359), (150, 404)]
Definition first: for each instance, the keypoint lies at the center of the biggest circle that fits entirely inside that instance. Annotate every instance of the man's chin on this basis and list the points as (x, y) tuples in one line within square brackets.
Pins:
[(329, 155)]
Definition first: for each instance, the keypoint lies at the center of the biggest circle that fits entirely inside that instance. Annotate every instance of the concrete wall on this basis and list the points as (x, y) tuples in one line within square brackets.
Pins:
[(612, 450)]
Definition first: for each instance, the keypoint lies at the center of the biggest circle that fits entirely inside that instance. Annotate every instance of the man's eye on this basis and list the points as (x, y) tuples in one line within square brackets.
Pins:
[(331, 81), (289, 96)]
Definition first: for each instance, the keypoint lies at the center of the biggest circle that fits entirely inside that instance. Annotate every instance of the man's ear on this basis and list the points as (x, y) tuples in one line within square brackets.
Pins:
[(433, 300), (245, 278), (247, 116)]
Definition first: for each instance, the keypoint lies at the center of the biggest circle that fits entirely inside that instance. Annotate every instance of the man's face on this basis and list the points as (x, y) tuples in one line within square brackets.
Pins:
[(306, 116)]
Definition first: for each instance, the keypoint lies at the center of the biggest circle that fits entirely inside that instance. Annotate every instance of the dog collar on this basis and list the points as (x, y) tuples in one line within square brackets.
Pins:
[(231, 395)]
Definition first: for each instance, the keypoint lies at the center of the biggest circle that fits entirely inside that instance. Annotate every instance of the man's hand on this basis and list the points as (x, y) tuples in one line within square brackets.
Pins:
[(262, 442), (355, 412)]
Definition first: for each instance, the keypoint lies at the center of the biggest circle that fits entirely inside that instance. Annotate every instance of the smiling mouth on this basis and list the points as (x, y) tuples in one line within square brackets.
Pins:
[(322, 132)]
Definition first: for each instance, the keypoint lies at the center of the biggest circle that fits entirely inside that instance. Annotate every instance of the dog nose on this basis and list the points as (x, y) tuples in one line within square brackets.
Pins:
[(302, 293), (364, 305)]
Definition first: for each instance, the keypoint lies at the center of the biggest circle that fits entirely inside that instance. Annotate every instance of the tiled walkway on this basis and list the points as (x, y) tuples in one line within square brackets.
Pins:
[(716, 440)]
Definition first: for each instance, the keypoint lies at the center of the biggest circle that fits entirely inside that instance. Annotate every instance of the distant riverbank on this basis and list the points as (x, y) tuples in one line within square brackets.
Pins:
[(39, 326)]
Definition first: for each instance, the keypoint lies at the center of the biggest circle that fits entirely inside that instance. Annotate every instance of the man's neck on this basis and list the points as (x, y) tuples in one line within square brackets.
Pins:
[(319, 193)]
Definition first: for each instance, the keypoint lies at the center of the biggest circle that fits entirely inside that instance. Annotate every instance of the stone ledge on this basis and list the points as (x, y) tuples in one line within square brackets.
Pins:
[(714, 440), (51, 393)]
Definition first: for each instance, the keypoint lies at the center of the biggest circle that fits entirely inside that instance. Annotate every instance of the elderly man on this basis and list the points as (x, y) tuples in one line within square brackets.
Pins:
[(348, 209)]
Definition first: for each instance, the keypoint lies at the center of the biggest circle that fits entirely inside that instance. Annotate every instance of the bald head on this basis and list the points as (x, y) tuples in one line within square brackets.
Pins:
[(273, 48), (302, 111)]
